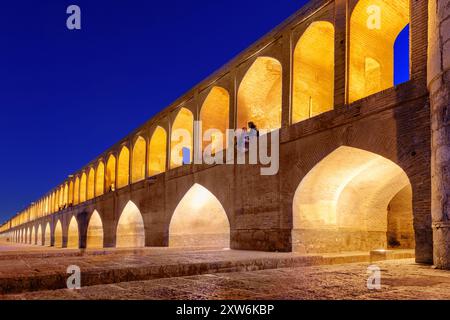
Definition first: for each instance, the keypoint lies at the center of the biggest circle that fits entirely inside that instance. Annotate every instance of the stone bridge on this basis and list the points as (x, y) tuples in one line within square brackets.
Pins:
[(355, 154)]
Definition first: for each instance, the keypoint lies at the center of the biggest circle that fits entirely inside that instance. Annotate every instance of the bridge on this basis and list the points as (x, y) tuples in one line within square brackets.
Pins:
[(357, 154)]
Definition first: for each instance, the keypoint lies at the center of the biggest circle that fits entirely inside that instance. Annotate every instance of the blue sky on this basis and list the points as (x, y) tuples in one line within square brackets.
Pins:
[(66, 96)]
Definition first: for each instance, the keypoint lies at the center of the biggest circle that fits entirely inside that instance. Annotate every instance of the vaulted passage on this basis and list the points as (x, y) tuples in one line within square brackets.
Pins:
[(313, 91), (95, 232), (91, 184), (214, 116), (123, 170), (259, 95), (199, 220), (110, 179), (374, 28), (83, 186), (39, 236), (33, 236), (139, 155), (73, 238), (353, 200), (58, 235), (47, 238), (158, 151), (130, 229), (181, 141), (100, 179)]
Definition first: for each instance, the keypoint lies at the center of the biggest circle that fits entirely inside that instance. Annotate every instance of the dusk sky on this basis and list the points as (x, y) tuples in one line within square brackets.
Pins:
[(66, 96)]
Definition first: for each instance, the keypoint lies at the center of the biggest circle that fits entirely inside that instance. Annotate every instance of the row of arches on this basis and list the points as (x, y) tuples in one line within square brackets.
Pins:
[(375, 28), (199, 220), (352, 200)]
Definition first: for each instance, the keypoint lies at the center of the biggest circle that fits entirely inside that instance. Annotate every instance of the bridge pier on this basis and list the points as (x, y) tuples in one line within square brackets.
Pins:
[(439, 87)]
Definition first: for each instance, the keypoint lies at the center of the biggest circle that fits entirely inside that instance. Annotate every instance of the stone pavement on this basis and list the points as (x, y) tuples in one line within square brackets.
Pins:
[(401, 279)]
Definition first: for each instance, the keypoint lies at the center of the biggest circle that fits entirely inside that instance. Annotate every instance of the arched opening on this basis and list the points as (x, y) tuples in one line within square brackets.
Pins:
[(199, 220), (100, 179), (110, 179), (73, 238), (214, 115), (91, 184), (353, 200), (182, 138), (95, 232), (66, 195), (83, 186), (374, 27), (139, 155), (39, 236), (71, 193), (47, 235), (158, 152), (58, 235), (259, 95), (313, 91), (25, 236), (29, 236), (76, 191), (33, 235), (130, 229), (123, 174)]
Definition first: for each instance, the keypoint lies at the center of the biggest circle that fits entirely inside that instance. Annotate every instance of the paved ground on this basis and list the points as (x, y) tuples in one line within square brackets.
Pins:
[(401, 279)]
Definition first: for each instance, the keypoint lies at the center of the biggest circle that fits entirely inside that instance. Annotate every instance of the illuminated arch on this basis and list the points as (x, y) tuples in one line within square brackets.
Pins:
[(260, 95), (345, 201), (130, 229), (95, 232), (199, 220), (214, 115), (29, 235), (313, 91), (110, 179), (76, 191), (91, 184), (184, 122), (83, 188), (47, 235), (158, 152), (33, 235), (73, 238), (39, 236), (66, 194), (71, 192), (374, 28), (100, 179), (58, 235), (123, 172), (139, 155)]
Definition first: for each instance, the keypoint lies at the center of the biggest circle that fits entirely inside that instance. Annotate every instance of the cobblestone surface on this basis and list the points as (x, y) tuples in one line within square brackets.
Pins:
[(401, 279)]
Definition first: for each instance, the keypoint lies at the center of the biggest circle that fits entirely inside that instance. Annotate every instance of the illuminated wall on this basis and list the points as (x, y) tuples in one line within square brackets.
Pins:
[(47, 235), (110, 179), (184, 122), (100, 179), (157, 157), (58, 235), (123, 174), (313, 91), (259, 95), (343, 202), (73, 238), (139, 160), (71, 192), (374, 27), (130, 229), (91, 184), (199, 221), (95, 232), (214, 115)]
